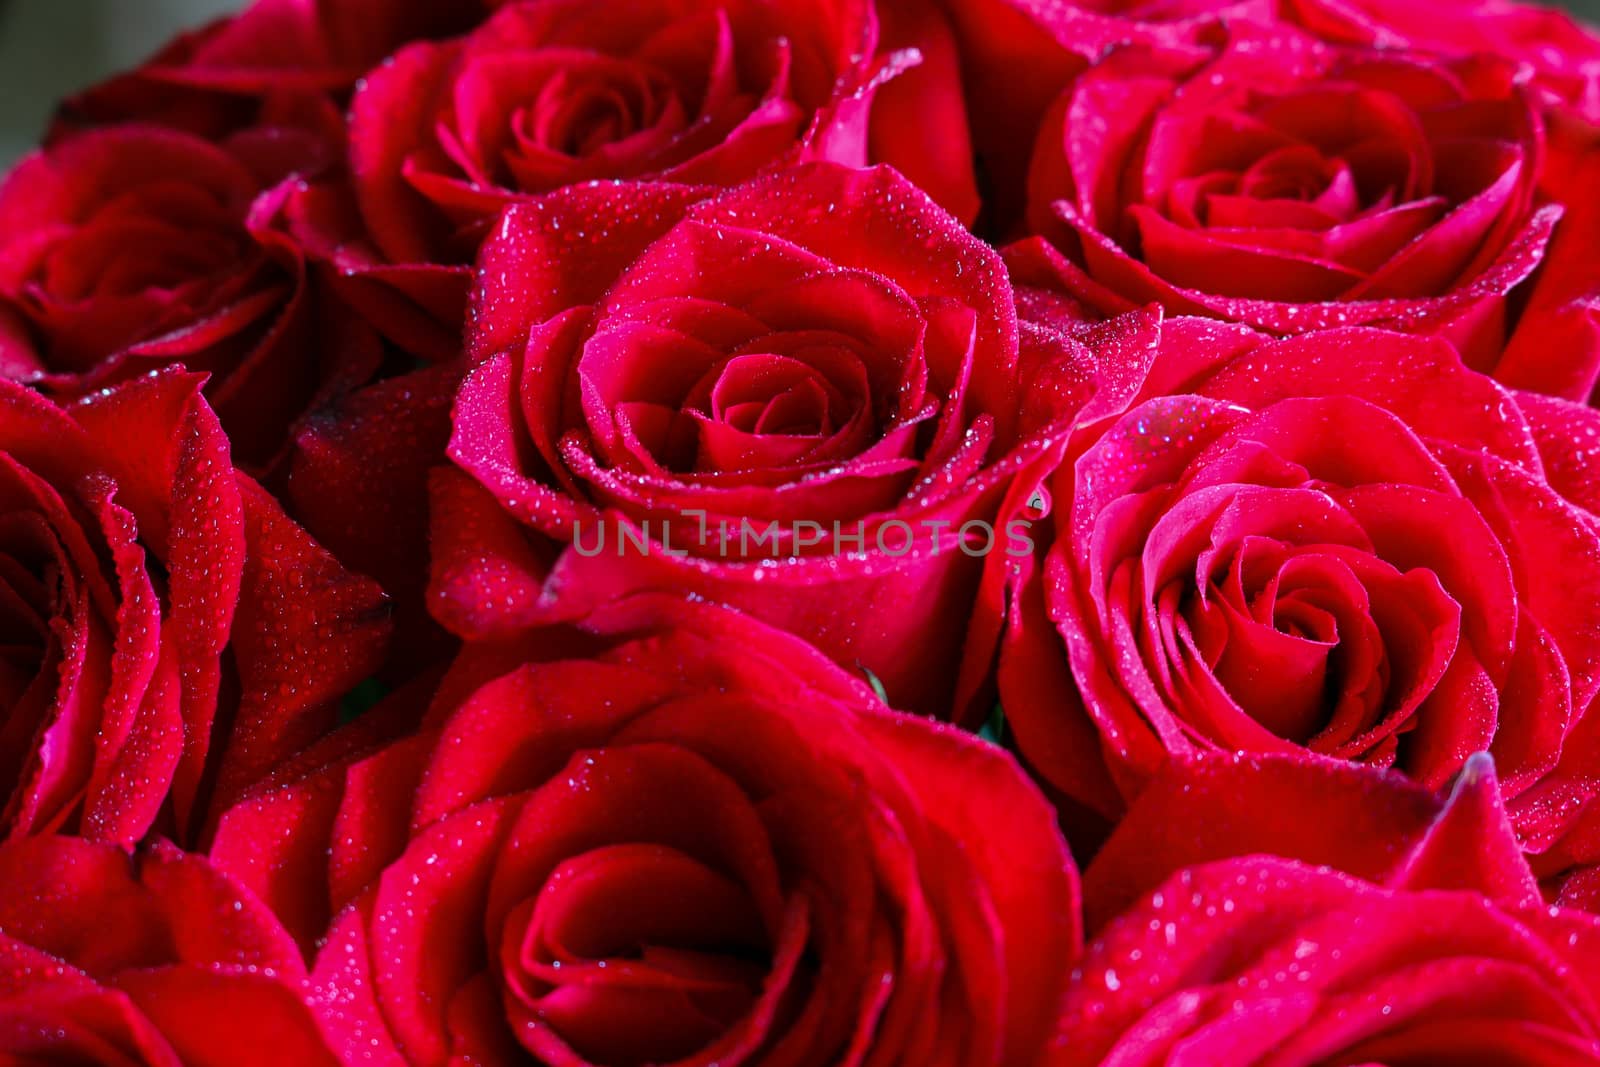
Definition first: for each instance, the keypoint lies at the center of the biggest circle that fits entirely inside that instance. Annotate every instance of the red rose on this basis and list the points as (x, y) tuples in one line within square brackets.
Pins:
[(1294, 186), (549, 94), (1556, 347), (445, 134), (133, 247), (358, 480), (169, 633), (1565, 434), (149, 963), (798, 397), (1345, 543), (1230, 928), (1562, 53), (544, 95), (270, 48), (697, 842), (269, 86), (1017, 54), (552, 93)]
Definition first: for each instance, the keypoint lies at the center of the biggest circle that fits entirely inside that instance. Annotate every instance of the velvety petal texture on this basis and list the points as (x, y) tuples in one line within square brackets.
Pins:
[(1563, 52), (546, 94), (169, 632), (1397, 929), (549, 94), (1256, 174), (799, 397), (676, 836), (1346, 545), (151, 961), (807, 533), (134, 246)]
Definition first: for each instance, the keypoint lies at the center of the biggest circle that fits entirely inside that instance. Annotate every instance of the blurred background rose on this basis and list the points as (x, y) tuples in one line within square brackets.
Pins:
[(48, 48)]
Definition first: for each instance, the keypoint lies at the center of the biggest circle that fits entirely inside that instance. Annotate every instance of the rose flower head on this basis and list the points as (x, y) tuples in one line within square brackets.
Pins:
[(682, 837), (1263, 177), (131, 247), (1344, 545), (169, 634), (799, 397)]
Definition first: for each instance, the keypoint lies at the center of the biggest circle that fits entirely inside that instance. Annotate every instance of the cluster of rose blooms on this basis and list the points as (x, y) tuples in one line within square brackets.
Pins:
[(1273, 323)]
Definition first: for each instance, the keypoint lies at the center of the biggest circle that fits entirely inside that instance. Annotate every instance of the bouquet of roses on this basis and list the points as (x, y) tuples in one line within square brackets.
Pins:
[(983, 533)]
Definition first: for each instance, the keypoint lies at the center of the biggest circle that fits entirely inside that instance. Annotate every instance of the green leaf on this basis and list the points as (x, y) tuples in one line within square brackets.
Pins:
[(360, 700), (877, 686), (994, 730)]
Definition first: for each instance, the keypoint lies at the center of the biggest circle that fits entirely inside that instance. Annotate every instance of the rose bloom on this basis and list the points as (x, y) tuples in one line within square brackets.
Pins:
[(1566, 434), (270, 83), (1273, 911), (168, 633), (149, 962), (551, 93), (1345, 545), (1291, 185), (681, 837), (1560, 54), (163, 223), (132, 247), (217, 75), (557, 92), (821, 347), (547, 94), (1017, 54)]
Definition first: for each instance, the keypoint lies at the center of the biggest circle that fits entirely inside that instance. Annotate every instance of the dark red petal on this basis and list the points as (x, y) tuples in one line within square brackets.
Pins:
[(307, 631), (1210, 807), (345, 997), (173, 471), (486, 578), (391, 117), (359, 485), (1555, 347), (562, 251), (1470, 845), (225, 1017), (1008, 833), (919, 118)]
